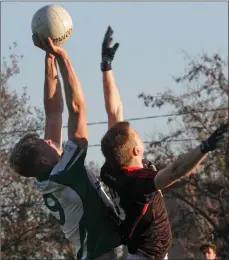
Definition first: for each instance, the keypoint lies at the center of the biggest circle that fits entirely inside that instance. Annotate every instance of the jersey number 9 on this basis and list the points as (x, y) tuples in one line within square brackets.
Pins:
[(54, 206)]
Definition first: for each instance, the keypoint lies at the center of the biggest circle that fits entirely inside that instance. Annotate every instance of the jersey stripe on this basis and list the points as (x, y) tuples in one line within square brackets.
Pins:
[(76, 158), (144, 209)]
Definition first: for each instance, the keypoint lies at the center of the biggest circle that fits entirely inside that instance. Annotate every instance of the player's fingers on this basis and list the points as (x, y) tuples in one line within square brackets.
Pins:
[(115, 47), (109, 41), (35, 39), (50, 42), (45, 45), (220, 139), (108, 34), (220, 144), (227, 127), (110, 31), (223, 128), (105, 36)]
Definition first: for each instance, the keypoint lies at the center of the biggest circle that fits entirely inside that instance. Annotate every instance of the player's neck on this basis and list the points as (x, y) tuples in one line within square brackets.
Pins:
[(136, 162), (44, 175)]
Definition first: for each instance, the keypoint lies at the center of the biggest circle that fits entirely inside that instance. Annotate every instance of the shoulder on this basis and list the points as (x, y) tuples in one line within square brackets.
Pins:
[(70, 146), (71, 149), (140, 184), (72, 157)]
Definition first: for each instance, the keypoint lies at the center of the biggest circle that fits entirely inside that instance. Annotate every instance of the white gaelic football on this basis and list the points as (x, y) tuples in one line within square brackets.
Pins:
[(52, 21)]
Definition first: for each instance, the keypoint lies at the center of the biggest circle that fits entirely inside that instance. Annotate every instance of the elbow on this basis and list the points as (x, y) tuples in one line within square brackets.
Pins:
[(114, 111), (109, 109), (77, 107)]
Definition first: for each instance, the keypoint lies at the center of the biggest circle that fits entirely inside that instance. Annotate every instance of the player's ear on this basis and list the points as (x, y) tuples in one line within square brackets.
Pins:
[(136, 151), (44, 161)]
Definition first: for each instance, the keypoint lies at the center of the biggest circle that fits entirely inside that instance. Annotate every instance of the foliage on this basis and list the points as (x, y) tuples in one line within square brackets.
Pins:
[(199, 108)]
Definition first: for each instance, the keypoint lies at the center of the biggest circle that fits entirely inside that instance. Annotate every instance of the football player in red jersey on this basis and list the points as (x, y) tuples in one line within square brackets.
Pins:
[(145, 224)]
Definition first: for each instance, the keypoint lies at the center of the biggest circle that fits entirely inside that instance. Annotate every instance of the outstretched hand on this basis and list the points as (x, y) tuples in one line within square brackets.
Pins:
[(216, 140), (108, 51), (46, 45)]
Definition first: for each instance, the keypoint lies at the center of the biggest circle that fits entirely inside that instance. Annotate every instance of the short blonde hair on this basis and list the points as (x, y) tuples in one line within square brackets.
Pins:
[(117, 144)]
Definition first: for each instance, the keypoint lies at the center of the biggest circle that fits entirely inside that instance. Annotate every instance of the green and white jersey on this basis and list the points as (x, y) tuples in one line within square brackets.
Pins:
[(76, 200)]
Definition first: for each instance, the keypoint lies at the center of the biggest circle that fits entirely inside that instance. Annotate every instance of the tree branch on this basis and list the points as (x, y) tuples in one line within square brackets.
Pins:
[(202, 213)]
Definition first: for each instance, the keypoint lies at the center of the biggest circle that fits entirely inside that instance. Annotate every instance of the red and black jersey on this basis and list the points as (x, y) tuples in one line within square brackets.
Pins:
[(146, 222)]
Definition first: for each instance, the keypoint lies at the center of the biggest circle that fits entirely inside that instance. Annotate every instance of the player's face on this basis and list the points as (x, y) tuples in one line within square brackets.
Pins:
[(53, 146), (51, 152), (209, 254)]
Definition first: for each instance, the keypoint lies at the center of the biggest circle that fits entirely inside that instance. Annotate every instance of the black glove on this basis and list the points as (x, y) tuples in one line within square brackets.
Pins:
[(108, 52), (216, 140)]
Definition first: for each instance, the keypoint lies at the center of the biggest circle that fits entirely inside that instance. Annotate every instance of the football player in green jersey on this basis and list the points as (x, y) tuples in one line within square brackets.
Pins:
[(62, 178)]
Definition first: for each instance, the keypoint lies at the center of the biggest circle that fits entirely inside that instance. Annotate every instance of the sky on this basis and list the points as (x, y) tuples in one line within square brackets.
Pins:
[(152, 39)]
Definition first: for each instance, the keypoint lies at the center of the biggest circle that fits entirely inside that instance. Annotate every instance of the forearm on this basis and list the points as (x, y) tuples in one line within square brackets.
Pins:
[(77, 123), (53, 100), (186, 163), (183, 166), (112, 98), (73, 91), (111, 93)]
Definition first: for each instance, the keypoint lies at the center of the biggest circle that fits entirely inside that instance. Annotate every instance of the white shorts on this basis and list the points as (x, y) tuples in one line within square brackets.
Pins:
[(137, 257)]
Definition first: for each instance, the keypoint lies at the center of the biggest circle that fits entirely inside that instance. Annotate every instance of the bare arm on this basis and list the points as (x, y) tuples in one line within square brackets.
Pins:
[(112, 99), (187, 163), (53, 101), (77, 124), (183, 166)]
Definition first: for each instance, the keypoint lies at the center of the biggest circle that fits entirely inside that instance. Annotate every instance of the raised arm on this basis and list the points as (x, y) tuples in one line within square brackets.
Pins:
[(186, 164), (112, 98), (182, 167), (53, 101), (77, 124)]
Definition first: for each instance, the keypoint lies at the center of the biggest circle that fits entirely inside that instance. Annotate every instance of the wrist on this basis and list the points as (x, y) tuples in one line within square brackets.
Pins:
[(61, 53), (105, 66), (49, 56)]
